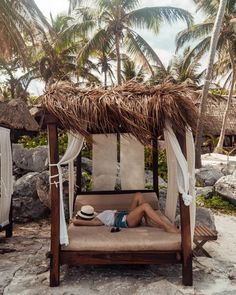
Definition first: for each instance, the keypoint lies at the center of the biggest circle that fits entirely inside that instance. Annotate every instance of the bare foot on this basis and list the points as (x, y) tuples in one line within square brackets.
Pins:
[(172, 229)]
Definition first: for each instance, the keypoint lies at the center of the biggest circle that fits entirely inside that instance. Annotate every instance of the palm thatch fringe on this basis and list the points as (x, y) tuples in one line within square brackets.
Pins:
[(15, 115), (139, 109)]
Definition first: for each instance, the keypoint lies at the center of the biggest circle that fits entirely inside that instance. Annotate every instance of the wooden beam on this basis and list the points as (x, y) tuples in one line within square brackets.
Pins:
[(124, 257), (187, 270), (155, 165), (55, 207)]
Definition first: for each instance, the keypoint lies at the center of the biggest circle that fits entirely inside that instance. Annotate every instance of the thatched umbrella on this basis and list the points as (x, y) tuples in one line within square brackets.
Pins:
[(135, 108), (15, 115)]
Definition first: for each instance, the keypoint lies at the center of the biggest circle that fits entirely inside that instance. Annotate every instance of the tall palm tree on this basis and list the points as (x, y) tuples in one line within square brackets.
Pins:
[(20, 22), (214, 34), (114, 21)]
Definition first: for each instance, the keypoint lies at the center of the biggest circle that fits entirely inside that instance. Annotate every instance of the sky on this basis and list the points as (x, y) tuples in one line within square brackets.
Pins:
[(163, 43)]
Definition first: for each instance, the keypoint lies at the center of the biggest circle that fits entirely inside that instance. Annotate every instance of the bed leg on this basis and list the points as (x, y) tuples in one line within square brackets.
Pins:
[(9, 227), (187, 271), (54, 271)]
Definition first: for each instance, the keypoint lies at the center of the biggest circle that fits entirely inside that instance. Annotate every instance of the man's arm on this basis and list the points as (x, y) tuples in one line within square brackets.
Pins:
[(93, 222)]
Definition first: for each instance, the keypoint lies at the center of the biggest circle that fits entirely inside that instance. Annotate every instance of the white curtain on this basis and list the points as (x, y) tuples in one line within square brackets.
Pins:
[(6, 175), (191, 169), (172, 187), (183, 172), (132, 170), (104, 161), (74, 147)]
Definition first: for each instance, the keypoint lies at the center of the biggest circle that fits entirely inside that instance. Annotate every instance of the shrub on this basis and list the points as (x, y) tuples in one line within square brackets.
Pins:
[(217, 203)]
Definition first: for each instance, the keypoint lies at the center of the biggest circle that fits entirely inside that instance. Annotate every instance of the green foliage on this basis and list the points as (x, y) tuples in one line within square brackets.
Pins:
[(217, 203), (41, 139), (219, 91), (88, 180), (86, 152), (162, 165), (162, 162)]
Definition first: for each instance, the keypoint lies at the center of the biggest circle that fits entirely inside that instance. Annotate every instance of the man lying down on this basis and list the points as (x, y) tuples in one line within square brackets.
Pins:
[(133, 218)]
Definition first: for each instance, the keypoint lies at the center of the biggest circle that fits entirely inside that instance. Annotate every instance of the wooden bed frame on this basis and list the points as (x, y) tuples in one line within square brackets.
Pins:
[(59, 257)]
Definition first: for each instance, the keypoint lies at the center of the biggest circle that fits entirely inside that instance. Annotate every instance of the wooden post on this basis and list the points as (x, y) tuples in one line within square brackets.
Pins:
[(55, 207), (78, 175), (9, 227), (155, 165), (187, 271)]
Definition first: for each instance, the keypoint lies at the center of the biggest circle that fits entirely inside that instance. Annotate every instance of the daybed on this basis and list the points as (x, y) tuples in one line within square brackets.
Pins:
[(118, 123)]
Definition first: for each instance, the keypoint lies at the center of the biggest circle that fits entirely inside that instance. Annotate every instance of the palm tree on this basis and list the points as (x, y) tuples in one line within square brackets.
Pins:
[(232, 54), (20, 22), (181, 69), (131, 71), (58, 59), (218, 26), (113, 22)]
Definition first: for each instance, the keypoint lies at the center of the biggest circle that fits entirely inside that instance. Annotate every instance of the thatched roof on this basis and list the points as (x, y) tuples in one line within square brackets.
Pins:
[(15, 115), (134, 108), (216, 105)]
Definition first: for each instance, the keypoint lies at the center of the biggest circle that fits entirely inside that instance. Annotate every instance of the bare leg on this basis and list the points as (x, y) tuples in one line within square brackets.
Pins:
[(137, 201), (134, 218)]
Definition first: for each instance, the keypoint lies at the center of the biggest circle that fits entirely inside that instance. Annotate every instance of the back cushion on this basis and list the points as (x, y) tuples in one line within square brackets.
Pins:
[(113, 201)]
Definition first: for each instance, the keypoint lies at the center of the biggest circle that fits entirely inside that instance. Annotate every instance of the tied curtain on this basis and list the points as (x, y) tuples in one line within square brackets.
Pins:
[(74, 147), (6, 176), (181, 174)]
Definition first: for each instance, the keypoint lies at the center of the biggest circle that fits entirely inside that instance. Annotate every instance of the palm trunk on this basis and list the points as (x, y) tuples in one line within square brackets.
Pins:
[(105, 79), (118, 60), (202, 111), (219, 146)]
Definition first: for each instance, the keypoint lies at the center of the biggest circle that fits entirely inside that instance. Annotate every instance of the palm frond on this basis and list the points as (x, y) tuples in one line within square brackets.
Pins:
[(152, 17), (139, 48), (191, 34)]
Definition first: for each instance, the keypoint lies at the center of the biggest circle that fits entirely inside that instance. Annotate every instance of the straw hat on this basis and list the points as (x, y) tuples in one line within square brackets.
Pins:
[(86, 212)]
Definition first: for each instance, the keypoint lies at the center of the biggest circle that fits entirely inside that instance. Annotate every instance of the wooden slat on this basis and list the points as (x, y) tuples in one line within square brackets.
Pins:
[(93, 257)]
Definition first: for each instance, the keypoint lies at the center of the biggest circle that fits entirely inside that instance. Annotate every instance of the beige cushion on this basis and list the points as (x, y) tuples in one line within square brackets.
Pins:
[(113, 201), (99, 238)]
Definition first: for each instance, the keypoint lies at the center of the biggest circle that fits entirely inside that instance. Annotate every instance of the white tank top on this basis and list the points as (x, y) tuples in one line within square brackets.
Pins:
[(107, 217)]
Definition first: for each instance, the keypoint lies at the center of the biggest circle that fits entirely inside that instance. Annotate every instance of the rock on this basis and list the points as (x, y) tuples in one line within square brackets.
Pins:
[(43, 188), (204, 191), (207, 176), (86, 164), (225, 164), (26, 203), (149, 180), (226, 187), (35, 159), (204, 216)]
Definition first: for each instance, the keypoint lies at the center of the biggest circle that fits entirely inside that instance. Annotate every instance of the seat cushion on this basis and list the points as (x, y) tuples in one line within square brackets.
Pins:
[(113, 201), (99, 238)]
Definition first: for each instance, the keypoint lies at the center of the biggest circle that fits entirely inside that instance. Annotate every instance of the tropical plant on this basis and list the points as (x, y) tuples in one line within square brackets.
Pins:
[(181, 68), (58, 58), (16, 82), (130, 71), (20, 23), (112, 23), (214, 34)]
